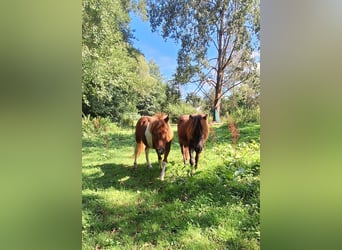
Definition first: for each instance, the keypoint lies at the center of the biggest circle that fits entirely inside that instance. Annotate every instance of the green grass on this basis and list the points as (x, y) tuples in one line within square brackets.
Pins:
[(217, 208)]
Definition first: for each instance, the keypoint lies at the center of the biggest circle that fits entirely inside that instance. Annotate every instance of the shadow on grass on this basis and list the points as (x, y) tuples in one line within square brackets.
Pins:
[(120, 176), (141, 220), (156, 214), (160, 219), (181, 188)]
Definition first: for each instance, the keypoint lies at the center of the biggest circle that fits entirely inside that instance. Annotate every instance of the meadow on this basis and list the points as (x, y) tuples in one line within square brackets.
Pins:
[(217, 208)]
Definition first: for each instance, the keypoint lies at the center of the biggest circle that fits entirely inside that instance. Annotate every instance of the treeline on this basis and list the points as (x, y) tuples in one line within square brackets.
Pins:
[(117, 81)]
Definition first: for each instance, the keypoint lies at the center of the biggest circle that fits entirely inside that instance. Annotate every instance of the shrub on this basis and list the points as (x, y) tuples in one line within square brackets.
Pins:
[(176, 110), (243, 115), (96, 125)]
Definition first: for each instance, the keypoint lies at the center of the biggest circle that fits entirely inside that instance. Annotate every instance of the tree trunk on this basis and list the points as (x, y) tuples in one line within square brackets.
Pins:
[(220, 70), (216, 114), (217, 100), (218, 91)]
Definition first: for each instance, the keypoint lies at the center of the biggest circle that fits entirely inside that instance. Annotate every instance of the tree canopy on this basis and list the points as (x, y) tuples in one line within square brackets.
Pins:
[(116, 78), (217, 40)]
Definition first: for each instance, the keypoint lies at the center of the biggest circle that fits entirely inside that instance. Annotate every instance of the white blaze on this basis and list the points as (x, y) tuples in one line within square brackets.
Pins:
[(148, 136), (162, 174)]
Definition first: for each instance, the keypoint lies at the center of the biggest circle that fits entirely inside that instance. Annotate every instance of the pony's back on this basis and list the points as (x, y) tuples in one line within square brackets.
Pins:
[(153, 132), (187, 124), (182, 129)]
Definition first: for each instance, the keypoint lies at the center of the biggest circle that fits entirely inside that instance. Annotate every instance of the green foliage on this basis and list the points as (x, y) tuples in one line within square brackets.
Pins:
[(152, 99), (116, 79), (243, 103), (194, 100), (176, 110), (217, 208), (107, 67), (173, 93), (129, 119), (93, 126), (224, 26), (243, 115)]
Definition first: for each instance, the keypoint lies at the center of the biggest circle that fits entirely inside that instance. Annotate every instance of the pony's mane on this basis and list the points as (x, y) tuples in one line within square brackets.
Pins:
[(197, 127), (158, 123)]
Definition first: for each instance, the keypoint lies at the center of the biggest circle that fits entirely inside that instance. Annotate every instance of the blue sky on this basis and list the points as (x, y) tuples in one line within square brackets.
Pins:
[(164, 53), (153, 46)]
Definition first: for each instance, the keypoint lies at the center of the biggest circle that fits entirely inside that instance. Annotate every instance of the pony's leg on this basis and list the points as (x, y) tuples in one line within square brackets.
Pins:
[(135, 156), (191, 152), (186, 152), (148, 164), (162, 172), (196, 160), (159, 159), (163, 164), (183, 151)]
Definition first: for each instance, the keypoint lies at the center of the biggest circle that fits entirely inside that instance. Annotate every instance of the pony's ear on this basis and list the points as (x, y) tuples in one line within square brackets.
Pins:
[(190, 116), (166, 119), (205, 117)]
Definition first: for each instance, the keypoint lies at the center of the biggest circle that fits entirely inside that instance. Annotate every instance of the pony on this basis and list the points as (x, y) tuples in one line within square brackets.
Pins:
[(193, 131), (153, 132)]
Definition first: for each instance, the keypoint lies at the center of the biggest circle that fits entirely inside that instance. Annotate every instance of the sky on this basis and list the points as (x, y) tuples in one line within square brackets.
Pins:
[(164, 53), (153, 46)]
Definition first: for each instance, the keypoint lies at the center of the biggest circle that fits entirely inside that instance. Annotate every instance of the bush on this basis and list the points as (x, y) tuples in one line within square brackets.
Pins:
[(96, 125), (129, 120), (176, 110), (242, 115)]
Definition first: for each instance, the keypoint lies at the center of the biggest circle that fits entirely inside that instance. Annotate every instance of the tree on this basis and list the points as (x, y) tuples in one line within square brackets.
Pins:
[(153, 98), (173, 93), (217, 40), (116, 79), (193, 99), (108, 67)]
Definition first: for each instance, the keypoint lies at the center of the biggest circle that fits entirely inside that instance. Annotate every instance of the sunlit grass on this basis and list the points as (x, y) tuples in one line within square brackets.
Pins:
[(217, 208)]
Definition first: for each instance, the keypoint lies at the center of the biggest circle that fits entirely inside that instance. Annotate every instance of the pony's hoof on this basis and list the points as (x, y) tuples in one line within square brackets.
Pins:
[(190, 173)]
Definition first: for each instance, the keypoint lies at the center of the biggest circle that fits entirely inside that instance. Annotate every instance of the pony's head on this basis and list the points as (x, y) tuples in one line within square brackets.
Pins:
[(161, 132), (198, 131)]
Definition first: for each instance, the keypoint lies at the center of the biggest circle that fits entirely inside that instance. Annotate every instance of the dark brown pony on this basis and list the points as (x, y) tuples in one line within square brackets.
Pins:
[(153, 132), (193, 131)]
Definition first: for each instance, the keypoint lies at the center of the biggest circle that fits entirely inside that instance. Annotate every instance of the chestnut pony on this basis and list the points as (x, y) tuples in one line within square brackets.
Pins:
[(193, 131), (153, 132)]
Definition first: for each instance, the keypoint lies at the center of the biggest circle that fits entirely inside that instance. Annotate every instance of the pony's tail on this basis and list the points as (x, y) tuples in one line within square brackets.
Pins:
[(139, 147)]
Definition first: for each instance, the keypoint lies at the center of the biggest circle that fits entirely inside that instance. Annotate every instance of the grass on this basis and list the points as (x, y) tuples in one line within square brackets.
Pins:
[(217, 208)]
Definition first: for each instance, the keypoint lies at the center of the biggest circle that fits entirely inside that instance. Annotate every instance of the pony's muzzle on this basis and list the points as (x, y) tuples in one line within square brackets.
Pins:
[(160, 151), (198, 149)]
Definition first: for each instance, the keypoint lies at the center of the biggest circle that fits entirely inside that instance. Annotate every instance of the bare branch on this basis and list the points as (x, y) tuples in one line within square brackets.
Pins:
[(203, 92), (230, 55), (198, 88), (211, 82), (215, 44), (233, 86)]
